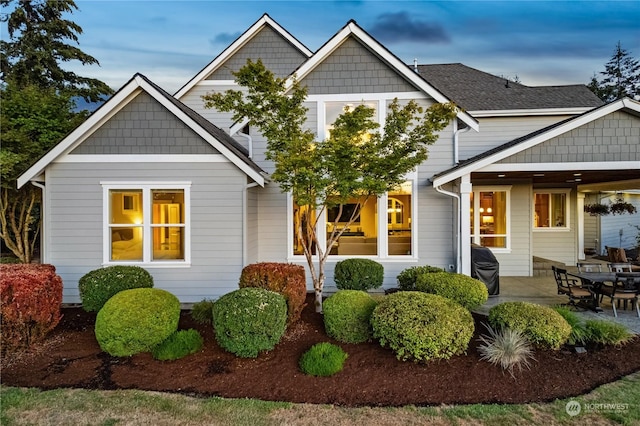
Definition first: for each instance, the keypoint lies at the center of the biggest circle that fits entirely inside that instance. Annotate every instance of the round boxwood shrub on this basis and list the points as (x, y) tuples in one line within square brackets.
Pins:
[(178, 345), (358, 274), (249, 320), (100, 285), (420, 326), (469, 292), (323, 359), (408, 277), (136, 321), (347, 314), (541, 325)]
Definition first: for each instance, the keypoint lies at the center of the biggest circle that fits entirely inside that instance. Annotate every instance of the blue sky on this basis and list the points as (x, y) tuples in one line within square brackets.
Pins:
[(540, 42)]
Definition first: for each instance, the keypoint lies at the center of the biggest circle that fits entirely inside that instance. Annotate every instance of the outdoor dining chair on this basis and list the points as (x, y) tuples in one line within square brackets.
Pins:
[(619, 267), (571, 288), (589, 267), (626, 289)]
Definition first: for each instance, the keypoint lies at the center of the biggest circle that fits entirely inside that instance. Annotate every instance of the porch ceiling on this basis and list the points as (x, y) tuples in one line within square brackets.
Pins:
[(600, 179)]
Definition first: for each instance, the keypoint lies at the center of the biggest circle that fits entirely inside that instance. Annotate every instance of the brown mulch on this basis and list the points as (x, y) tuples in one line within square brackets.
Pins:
[(372, 376)]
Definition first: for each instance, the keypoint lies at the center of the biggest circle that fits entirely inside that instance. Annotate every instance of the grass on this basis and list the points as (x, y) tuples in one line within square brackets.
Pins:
[(614, 403)]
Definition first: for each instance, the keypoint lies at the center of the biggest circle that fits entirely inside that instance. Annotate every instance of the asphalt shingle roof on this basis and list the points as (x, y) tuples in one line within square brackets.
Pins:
[(475, 90)]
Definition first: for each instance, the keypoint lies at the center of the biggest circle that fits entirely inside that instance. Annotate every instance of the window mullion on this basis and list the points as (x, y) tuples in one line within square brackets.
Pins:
[(146, 224)]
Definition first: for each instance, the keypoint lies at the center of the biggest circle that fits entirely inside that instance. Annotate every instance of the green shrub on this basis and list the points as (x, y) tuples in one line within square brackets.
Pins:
[(607, 332), (408, 277), (178, 345), (249, 320), (579, 334), (136, 321), (358, 274), (541, 325), (467, 291), (201, 311), (284, 278), (419, 326), (323, 359), (100, 285), (506, 347), (347, 314)]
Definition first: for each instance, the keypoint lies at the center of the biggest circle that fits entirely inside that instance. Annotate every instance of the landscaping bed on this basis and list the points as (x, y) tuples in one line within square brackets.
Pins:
[(71, 358)]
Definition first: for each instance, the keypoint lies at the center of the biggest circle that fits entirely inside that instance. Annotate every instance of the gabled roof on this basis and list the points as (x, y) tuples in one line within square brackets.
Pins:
[(239, 43), (532, 139), (352, 29), (475, 90), (218, 139)]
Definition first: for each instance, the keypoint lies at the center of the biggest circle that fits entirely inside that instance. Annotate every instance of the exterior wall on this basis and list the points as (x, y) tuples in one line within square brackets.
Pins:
[(276, 53), (75, 224), (611, 138), (144, 126), (495, 131), (352, 68), (591, 234), (613, 225), (253, 243), (560, 245)]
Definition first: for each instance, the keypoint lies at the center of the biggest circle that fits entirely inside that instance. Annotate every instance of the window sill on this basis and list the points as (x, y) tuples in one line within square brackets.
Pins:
[(151, 265), (558, 229)]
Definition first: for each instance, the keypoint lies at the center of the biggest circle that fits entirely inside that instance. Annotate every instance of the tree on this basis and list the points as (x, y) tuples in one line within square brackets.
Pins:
[(357, 160), (621, 77), (37, 106), (39, 37)]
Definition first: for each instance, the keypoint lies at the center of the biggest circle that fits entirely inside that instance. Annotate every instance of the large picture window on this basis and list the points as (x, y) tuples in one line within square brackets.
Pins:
[(490, 217), (147, 223), (550, 209)]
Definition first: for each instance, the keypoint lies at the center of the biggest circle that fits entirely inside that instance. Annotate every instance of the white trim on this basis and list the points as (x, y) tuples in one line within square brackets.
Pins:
[(356, 97), (113, 105), (543, 137), (146, 187), (144, 158), (550, 167), (529, 112), (236, 45), (217, 83)]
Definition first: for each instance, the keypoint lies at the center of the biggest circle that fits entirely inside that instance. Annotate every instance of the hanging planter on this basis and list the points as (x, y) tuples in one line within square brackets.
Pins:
[(597, 209), (621, 207)]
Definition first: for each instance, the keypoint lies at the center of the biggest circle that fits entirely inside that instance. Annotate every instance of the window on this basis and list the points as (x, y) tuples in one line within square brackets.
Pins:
[(334, 109), (550, 209), (146, 223), (489, 217), (382, 229)]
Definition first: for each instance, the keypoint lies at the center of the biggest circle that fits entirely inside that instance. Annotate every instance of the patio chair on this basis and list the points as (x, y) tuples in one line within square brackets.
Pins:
[(571, 288), (589, 267), (619, 255), (625, 289), (619, 267)]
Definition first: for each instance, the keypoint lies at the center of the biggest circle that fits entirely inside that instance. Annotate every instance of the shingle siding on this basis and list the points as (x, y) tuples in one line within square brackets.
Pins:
[(144, 126)]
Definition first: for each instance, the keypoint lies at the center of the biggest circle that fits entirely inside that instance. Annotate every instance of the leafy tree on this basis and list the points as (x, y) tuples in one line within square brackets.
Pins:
[(621, 77), (358, 160), (37, 105), (39, 43)]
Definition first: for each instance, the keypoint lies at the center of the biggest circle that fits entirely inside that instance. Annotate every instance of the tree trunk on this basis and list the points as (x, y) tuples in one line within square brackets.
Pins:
[(16, 216)]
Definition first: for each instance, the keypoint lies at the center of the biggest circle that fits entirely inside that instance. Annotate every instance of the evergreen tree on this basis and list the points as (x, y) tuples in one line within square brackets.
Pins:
[(621, 77)]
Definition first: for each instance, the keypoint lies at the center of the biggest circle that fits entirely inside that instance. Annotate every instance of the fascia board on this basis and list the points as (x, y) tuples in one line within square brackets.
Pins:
[(90, 125), (236, 45), (529, 112), (557, 131)]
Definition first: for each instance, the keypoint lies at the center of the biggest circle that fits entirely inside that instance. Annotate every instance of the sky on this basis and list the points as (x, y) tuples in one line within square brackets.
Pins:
[(538, 42)]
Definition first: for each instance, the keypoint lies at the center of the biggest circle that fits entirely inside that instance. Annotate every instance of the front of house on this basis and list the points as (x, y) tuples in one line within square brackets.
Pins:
[(161, 182)]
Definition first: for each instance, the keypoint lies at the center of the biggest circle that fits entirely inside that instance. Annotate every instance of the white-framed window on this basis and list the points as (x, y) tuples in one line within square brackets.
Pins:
[(385, 228), (551, 209), (490, 213), (147, 223)]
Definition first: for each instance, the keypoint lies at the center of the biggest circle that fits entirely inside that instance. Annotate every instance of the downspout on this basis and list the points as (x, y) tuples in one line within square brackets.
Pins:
[(244, 222), (458, 236), (249, 142), (456, 144), (43, 240)]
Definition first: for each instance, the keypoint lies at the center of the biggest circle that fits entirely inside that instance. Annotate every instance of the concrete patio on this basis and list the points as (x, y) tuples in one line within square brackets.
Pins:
[(542, 290)]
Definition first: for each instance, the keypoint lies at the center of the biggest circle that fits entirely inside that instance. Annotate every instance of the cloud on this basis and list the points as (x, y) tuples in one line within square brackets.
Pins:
[(224, 38), (399, 27)]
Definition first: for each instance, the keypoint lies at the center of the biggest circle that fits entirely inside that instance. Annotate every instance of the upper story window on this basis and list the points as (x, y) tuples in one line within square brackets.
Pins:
[(551, 209), (147, 223), (490, 217), (334, 109)]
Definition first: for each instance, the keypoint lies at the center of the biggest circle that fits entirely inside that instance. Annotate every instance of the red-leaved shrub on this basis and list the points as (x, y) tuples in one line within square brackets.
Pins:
[(285, 278), (30, 299)]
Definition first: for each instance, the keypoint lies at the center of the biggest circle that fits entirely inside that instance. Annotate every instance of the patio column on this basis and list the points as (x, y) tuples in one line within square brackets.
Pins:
[(465, 224), (580, 225)]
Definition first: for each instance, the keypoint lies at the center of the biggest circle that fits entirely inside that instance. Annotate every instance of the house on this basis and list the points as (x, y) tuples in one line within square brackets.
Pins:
[(159, 181)]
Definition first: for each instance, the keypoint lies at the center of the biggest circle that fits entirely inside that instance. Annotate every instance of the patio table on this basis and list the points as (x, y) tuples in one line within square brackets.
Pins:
[(594, 280)]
